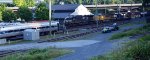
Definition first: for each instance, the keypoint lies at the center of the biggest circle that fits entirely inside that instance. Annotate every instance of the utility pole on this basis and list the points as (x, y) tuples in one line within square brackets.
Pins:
[(105, 6), (96, 15), (118, 10), (50, 15), (119, 7), (131, 9), (143, 11)]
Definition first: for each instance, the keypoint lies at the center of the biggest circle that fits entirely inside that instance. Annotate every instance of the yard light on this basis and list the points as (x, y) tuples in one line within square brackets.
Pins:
[(96, 14)]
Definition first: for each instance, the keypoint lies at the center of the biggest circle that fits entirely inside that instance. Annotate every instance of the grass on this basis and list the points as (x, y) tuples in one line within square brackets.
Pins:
[(135, 50), (141, 30), (36, 54)]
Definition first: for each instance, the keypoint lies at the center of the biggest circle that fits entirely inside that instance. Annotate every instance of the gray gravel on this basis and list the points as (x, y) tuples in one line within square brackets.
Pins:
[(65, 44)]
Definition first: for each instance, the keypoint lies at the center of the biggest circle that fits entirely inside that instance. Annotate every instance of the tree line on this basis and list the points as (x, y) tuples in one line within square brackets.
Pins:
[(103, 1), (87, 2), (10, 16), (30, 3), (24, 13)]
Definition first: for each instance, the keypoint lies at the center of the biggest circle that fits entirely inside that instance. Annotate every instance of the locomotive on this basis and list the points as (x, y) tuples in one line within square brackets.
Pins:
[(113, 17)]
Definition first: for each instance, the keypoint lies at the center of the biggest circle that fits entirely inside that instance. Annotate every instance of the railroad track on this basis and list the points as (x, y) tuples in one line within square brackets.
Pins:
[(10, 52), (68, 36), (94, 29)]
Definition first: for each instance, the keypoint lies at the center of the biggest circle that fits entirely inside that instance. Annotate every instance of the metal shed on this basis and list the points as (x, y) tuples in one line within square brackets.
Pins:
[(31, 34)]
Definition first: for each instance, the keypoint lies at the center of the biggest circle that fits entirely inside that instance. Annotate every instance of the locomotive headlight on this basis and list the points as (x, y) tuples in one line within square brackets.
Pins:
[(102, 17)]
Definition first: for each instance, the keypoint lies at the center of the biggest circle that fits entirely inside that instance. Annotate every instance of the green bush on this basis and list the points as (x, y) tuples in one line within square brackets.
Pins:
[(145, 38), (140, 51), (135, 50), (117, 36)]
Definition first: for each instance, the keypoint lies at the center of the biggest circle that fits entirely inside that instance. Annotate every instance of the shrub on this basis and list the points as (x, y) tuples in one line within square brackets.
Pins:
[(135, 50), (145, 38), (140, 51), (117, 36)]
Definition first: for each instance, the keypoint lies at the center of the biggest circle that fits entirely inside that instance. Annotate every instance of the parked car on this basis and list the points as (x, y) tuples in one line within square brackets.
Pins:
[(107, 29), (115, 28)]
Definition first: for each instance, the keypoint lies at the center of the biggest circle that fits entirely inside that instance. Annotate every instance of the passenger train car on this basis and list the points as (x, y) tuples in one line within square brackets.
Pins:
[(15, 29)]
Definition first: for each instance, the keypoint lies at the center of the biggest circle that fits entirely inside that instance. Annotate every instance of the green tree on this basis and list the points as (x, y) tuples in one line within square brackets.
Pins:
[(87, 2), (130, 1), (137, 1), (19, 2), (42, 12), (80, 1), (118, 1), (25, 13), (30, 3), (1, 16), (8, 16), (146, 4), (53, 1), (70, 1), (94, 2), (2, 8)]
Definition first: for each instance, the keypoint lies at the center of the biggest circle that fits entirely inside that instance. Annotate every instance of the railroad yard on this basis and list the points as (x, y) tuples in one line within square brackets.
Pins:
[(73, 40), (74, 30)]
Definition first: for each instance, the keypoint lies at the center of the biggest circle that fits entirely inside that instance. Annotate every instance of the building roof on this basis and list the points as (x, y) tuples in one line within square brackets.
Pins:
[(81, 10), (65, 7), (60, 15), (73, 9)]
